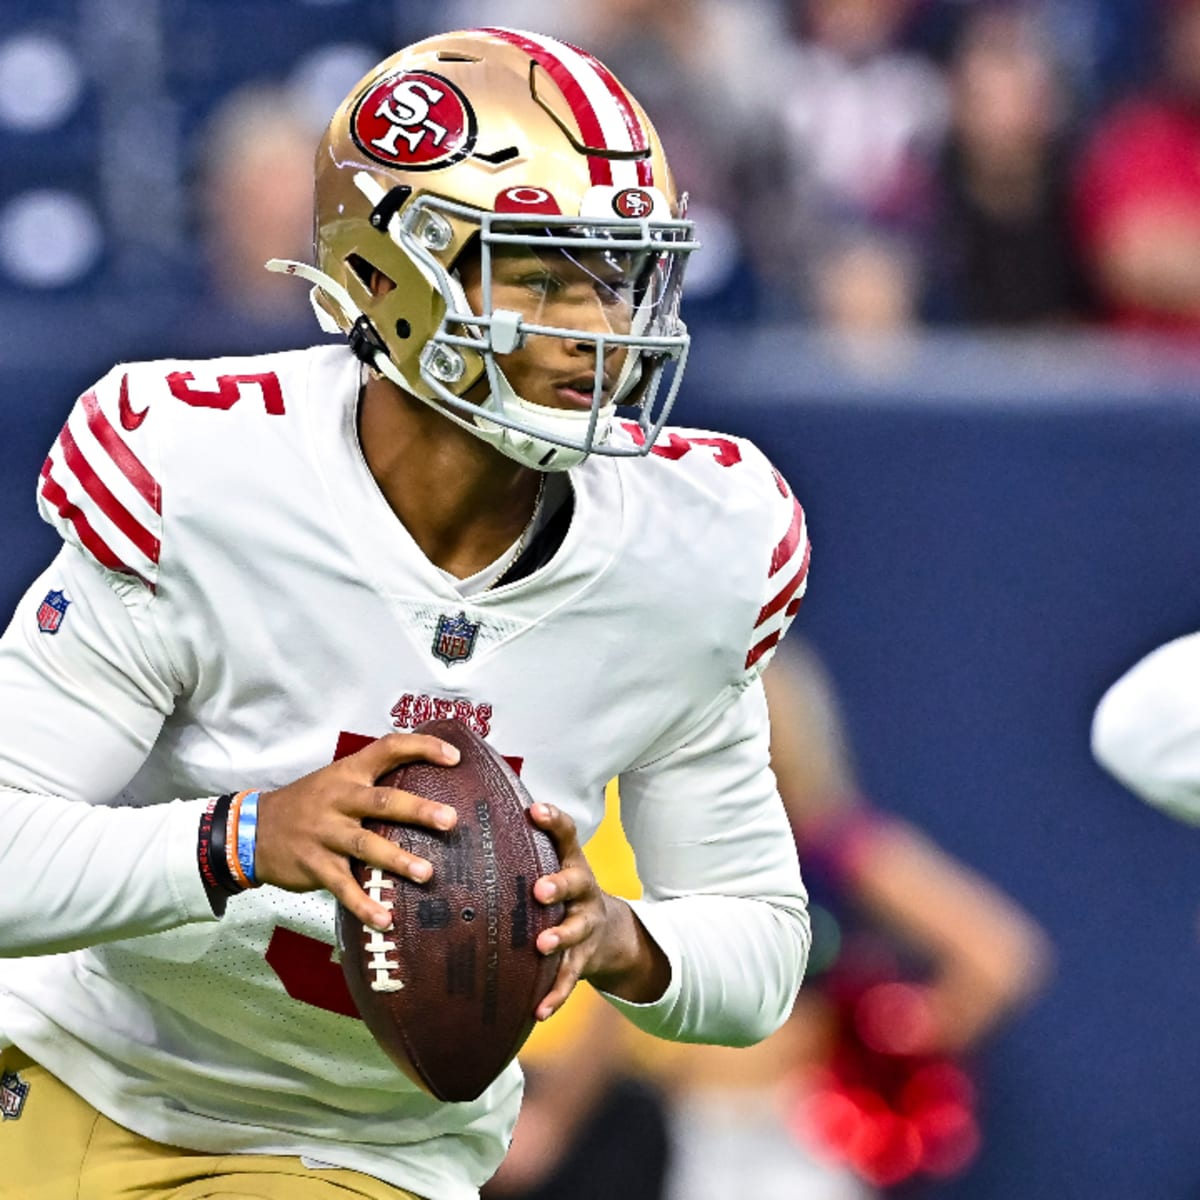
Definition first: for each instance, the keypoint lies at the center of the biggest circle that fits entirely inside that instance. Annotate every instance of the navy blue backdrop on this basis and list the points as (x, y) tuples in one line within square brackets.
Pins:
[(982, 569)]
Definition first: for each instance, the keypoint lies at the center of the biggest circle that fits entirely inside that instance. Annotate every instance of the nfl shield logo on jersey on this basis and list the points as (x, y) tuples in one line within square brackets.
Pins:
[(13, 1090), (51, 612), (454, 638)]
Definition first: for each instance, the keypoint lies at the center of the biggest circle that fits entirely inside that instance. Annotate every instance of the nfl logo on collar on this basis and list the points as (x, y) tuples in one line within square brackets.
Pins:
[(51, 612), (454, 638), (13, 1090)]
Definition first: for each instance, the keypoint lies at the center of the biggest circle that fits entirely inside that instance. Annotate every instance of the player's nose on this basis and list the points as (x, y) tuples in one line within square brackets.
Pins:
[(593, 322)]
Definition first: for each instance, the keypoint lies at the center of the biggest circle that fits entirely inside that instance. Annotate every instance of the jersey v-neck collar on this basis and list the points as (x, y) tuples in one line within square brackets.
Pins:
[(388, 554)]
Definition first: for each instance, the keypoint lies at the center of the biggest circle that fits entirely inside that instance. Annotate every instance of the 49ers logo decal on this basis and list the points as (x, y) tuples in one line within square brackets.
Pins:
[(633, 202), (417, 120)]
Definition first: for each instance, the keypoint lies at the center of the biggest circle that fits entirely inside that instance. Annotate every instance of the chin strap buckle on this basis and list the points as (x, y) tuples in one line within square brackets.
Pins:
[(365, 341)]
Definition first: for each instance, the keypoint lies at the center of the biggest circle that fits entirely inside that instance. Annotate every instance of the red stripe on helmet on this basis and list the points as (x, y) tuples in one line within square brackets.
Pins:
[(637, 133), (585, 116)]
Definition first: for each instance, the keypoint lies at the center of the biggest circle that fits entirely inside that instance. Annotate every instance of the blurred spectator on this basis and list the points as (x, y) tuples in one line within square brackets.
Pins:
[(916, 960), (860, 121), (862, 114), (254, 194), (1138, 191), (865, 287), (1003, 253), (866, 283), (988, 957)]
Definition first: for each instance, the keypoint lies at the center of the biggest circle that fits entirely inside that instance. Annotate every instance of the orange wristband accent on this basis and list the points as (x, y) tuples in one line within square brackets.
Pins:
[(231, 844)]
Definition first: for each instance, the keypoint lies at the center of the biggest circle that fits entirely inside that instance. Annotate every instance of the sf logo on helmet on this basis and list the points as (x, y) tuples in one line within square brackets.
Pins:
[(417, 120), (633, 202)]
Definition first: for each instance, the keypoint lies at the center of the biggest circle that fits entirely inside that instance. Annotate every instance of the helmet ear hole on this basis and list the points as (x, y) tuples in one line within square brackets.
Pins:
[(361, 268), (377, 282)]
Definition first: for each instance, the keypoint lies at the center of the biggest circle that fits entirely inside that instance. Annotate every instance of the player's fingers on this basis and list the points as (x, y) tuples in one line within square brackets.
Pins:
[(559, 826), (574, 929), (393, 749), (564, 985), (336, 878), (403, 808), (571, 883), (377, 851)]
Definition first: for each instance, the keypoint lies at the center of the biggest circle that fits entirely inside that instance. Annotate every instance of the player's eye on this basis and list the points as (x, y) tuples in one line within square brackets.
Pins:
[(540, 283), (613, 292)]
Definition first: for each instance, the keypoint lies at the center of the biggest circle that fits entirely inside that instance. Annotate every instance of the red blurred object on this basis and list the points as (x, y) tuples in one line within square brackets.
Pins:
[(887, 1106), (894, 1019)]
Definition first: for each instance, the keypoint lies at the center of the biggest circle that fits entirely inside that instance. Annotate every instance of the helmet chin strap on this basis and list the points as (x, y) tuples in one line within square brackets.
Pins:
[(526, 446)]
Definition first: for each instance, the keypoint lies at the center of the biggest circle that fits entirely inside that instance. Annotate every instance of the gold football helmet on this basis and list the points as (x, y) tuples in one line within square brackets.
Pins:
[(490, 147)]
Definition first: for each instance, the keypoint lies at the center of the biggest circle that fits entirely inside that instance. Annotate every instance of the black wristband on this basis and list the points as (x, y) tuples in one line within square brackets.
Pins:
[(210, 851)]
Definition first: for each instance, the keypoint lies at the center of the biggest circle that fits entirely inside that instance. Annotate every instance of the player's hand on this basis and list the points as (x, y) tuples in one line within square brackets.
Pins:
[(600, 937), (308, 830)]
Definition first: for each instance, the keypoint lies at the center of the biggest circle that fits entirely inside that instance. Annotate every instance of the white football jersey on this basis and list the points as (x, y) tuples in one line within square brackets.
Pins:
[(1146, 729), (234, 604)]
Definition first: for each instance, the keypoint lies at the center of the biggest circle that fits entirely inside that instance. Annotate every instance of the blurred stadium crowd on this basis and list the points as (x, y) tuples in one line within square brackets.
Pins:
[(857, 164)]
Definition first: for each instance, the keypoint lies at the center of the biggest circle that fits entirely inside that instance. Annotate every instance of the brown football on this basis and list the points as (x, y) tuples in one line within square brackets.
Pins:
[(450, 990)]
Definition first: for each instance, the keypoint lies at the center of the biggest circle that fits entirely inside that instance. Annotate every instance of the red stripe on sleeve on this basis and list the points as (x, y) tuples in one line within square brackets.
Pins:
[(766, 644), (791, 539), (130, 465), (774, 605), (112, 508), (96, 545), (590, 129)]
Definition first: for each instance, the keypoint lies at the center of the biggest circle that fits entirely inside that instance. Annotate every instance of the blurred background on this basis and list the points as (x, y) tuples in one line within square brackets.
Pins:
[(951, 284)]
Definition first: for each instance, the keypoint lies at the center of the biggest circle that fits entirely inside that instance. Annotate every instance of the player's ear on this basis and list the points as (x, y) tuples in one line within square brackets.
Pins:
[(379, 283)]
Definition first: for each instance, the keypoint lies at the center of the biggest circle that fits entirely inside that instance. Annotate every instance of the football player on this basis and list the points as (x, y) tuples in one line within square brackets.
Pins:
[(1146, 729), (276, 568)]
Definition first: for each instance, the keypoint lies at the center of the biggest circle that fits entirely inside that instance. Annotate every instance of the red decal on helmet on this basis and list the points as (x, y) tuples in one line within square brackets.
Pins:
[(527, 200), (416, 120), (606, 117), (633, 202), (637, 135)]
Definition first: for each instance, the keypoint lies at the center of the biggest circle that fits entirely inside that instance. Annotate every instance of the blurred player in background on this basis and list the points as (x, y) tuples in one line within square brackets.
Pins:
[(916, 960), (267, 556), (1146, 729)]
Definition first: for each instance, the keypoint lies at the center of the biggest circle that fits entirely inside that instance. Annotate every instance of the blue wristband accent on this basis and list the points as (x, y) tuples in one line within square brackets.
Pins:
[(247, 836)]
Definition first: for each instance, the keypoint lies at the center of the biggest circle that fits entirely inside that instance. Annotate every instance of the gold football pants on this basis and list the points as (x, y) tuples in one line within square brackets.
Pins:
[(55, 1146)]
